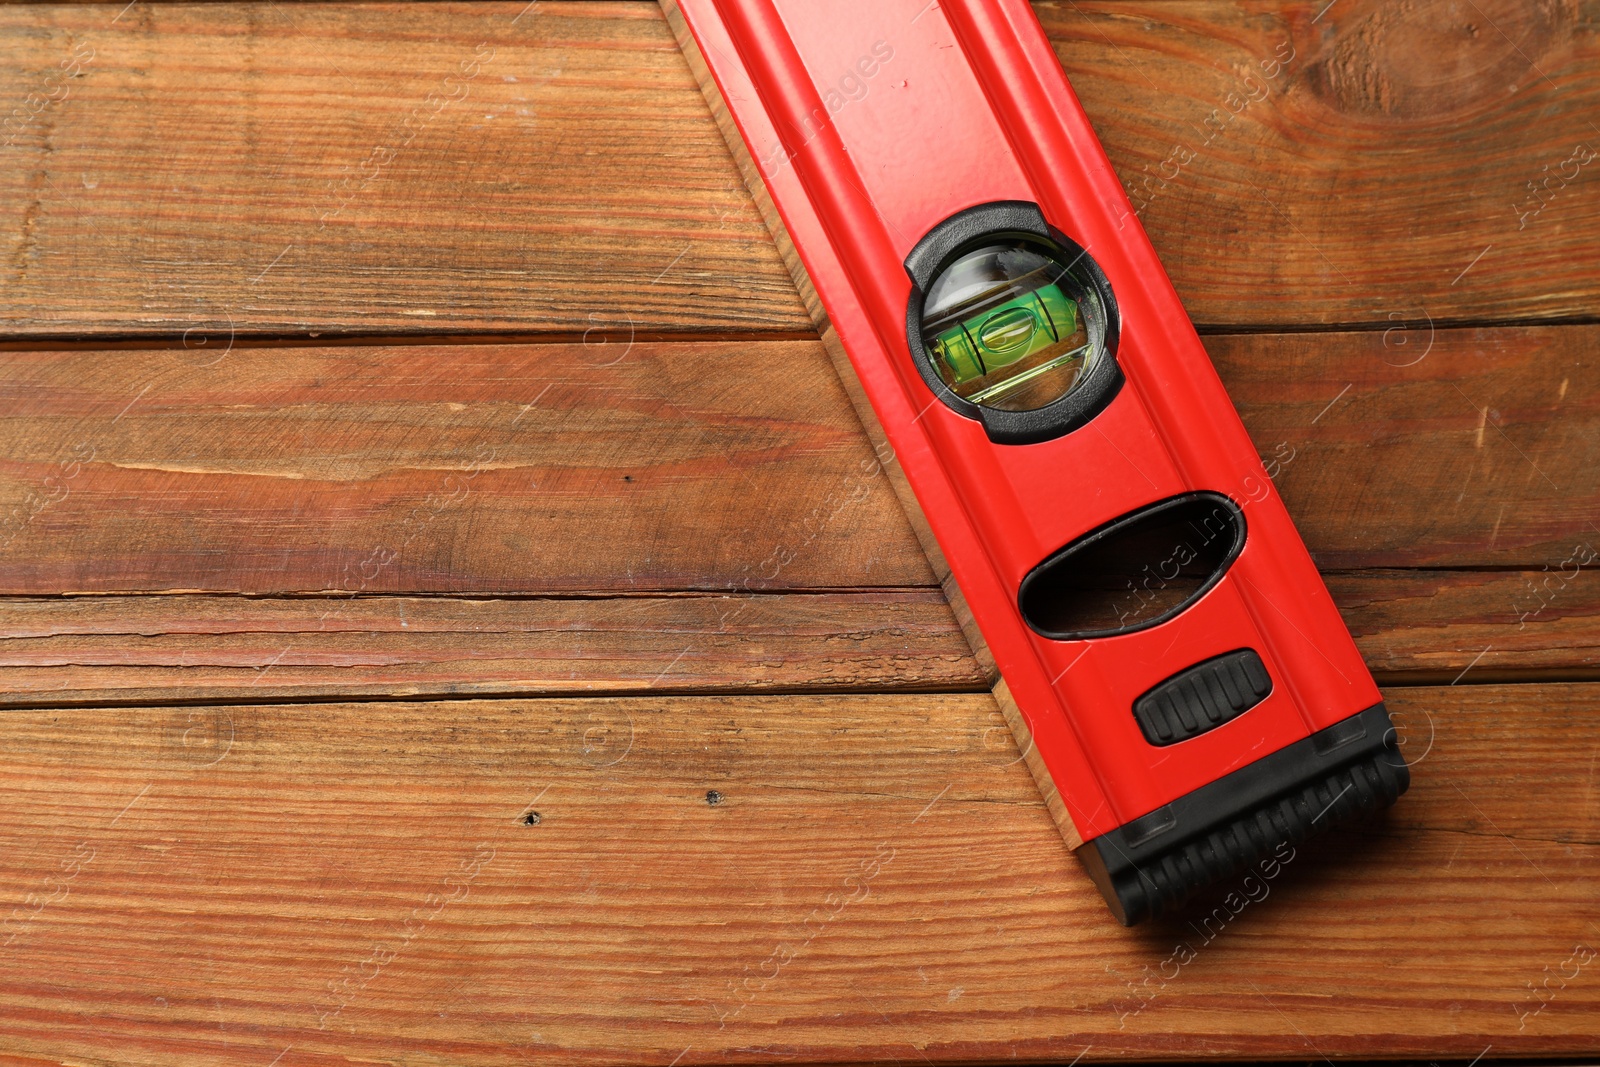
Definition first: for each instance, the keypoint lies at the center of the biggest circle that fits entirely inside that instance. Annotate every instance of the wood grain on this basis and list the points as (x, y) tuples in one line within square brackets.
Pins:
[(482, 469), (1295, 162), (492, 469), (377, 169), (1414, 627), (877, 878), (1427, 447), (593, 192), (1422, 627), (189, 648)]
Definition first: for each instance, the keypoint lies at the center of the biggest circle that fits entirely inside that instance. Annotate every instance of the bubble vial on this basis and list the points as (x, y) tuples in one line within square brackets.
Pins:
[(1011, 326)]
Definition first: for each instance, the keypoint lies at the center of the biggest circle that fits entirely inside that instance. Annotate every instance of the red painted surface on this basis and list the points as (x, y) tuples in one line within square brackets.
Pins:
[(872, 123)]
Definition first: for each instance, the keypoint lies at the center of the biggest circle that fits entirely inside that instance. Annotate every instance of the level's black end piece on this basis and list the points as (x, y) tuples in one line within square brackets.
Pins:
[(1339, 775), (1203, 697)]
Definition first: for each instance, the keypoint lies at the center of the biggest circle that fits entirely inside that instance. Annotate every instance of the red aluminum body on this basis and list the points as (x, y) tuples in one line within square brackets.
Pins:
[(966, 104)]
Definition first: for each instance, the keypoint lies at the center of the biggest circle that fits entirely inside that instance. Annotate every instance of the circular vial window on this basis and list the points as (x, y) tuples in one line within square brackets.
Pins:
[(1015, 323)]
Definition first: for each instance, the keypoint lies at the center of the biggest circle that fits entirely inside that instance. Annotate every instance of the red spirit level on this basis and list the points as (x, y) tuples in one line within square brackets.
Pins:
[(1183, 688)]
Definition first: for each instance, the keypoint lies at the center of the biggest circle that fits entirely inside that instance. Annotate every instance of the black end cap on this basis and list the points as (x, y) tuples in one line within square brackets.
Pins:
[(1339, 775)]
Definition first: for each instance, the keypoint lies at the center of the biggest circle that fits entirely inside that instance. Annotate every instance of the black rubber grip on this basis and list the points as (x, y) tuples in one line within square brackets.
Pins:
[(1203, 697), (1155, 863)]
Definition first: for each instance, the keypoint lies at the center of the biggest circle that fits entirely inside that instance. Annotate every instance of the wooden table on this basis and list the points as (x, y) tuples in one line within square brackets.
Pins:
[(451, 614)]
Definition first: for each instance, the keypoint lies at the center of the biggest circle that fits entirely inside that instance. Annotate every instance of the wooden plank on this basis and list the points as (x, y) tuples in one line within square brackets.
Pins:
[(1425, 448), (1414, 627), (877, 877), (593, 192), (1303, 163), (188, 648), (570, 468), (1423, 627), (482, 469), (389, 169)]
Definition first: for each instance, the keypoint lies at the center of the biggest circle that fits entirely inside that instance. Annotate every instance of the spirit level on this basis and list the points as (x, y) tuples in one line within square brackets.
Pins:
[(1177, 676)]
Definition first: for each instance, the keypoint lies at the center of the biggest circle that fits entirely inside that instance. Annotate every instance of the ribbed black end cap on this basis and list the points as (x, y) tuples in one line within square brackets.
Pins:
[(1339, 775)]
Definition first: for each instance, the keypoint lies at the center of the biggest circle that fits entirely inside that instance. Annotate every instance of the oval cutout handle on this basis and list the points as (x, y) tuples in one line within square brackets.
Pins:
[(1136, 571)]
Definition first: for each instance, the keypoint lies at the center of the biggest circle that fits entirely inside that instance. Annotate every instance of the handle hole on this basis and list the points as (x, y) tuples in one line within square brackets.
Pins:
[(1136, 571)]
